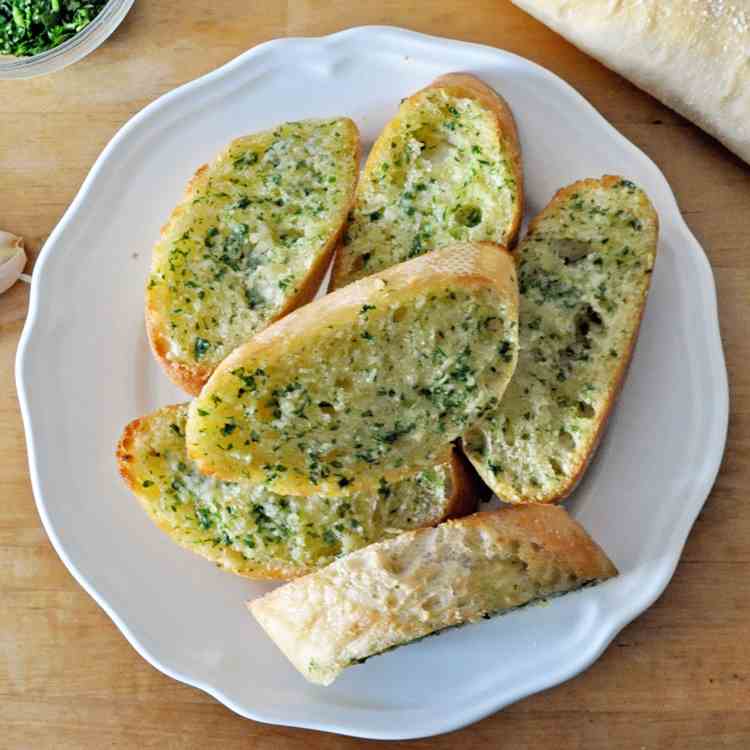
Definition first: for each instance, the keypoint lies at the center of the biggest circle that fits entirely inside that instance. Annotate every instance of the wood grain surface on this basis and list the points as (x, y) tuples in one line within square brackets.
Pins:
[(679, 677)]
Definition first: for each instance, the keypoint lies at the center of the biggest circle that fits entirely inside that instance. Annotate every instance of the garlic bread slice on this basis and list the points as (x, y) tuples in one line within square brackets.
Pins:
[(250, 241), (249, 530), (420, 582), (372, 381), (584, 271), (446, 168)]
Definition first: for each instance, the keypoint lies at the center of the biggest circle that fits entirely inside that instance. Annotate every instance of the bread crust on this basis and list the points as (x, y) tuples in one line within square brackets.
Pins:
[(468, 489), (125, 464), (554, 531), (692, 56), (490, 262), (402, 589), (464, 264), (564, 490), (465, 86), (465, 488), (191, 378), (607, 181)]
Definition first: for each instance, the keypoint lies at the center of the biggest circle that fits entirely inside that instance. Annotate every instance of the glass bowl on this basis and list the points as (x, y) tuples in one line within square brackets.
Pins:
[(70, 51)]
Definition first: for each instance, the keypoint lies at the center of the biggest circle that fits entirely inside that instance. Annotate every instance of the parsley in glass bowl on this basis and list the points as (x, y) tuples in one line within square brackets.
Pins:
[(41, 36)]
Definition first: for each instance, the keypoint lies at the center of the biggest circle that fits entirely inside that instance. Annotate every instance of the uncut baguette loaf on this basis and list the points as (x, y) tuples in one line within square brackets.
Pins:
[(584, 271), (446, 168), (690, 54), (249, 242), (250, 531), (397, 591), (372, 381)]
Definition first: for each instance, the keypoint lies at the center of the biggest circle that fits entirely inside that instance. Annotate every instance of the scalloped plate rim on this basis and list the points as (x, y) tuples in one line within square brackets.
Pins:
[(606, 626)]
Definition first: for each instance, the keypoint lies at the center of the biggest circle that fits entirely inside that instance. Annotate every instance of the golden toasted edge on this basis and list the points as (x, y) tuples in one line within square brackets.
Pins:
[(542, 532), (123, 453), (467, 488), (606, 181), (505, 491), (465, 484), (466, 86), (554, 532), (492, 264), (191, 378), (126, 459)]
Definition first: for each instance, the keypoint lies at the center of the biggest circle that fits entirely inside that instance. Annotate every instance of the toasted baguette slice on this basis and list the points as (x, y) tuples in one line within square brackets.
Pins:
[(446, 168), (373, 381), (422, 581), (250, 531), (250, 241), (584, 272)]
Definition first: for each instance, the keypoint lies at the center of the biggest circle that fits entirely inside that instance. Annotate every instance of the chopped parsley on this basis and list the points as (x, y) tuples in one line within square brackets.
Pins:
[(200, 348), (29, 27)]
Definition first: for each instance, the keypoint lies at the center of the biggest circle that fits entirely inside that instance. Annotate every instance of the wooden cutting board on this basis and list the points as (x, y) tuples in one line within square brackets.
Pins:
[(679, 677)]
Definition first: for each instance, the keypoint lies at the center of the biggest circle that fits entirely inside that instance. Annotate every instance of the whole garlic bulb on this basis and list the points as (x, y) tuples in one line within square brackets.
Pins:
[(12, 259)]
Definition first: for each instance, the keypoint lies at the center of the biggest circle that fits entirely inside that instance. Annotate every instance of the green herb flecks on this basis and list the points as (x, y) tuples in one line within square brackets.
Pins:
[(200, 347), (28, 27)]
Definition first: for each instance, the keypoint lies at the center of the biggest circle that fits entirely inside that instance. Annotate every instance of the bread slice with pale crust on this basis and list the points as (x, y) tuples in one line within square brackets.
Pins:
[(250, 241), (372, 381), (446, 168), (584, 271), (397, 591), (253, 532)]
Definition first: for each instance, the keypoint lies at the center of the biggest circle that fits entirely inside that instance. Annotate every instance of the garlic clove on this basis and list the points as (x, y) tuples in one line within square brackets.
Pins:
[(12, 259)]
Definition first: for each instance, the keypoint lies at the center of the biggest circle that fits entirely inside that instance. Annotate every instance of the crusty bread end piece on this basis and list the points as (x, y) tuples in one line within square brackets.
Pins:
[(374, 380), (446, 168), (690, 54), (584, 271), (250, 241), (394, 592), (250, 531)]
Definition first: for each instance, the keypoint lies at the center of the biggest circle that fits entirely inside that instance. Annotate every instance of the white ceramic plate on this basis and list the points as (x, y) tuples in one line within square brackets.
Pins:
[(84, 370)]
